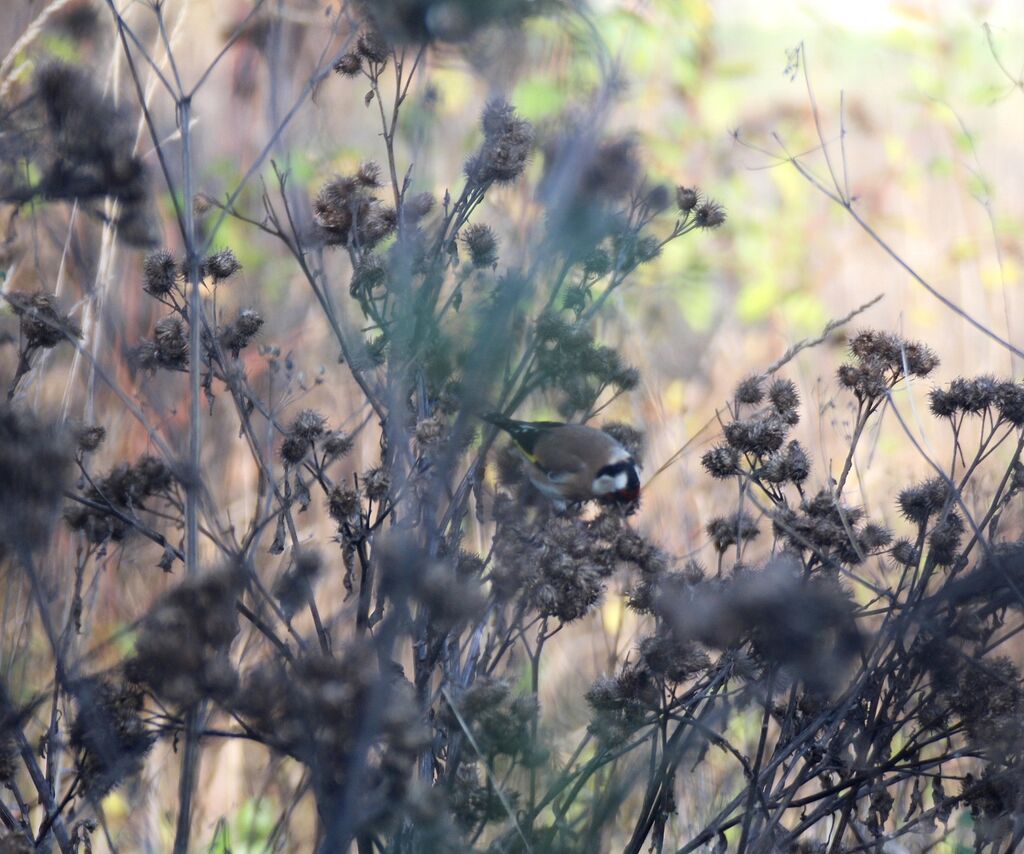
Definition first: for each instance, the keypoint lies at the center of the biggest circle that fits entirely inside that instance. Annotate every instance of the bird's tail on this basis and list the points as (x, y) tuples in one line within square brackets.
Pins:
[(524, 433), (498, 420)]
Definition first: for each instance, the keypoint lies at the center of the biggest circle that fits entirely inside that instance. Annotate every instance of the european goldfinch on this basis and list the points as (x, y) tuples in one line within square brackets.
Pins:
[(572, 462)]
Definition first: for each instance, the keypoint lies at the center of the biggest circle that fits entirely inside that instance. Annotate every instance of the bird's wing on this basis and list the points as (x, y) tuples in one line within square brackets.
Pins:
[(560, 476), (560, 460)]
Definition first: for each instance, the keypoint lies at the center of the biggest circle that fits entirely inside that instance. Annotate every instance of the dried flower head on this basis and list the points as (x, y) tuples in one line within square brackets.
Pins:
[(90, 437), (482, 245), (430, 431), (873, 537), (760, 435), (368, 174), (181, 652), (919, 503), (893, 353), (905, 553), (108, 734), (804, 625), (673, 659), (622, 704), (124, 490), (309, 424), (336, 705), (784, 397), (732, 530), (709, 215), (294, 449), (376, 483), (337, 443), (787, 466), (687, 198), (238, 335), (371, 45), (558, 567), (750, 390), (343, 504), (418, 206), (159, 273), (43, 325), (658, 198), (944, 539), (349, 65), (349, 214), (647, 248), (508, 143), (867, 383), (221, 265), (721, 462), (167, 349)]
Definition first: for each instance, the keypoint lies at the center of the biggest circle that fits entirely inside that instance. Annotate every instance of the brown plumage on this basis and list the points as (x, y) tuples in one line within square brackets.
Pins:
[(573, 462)]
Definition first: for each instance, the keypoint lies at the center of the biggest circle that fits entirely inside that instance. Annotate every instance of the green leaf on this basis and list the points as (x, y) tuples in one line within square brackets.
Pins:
[(539, 97)]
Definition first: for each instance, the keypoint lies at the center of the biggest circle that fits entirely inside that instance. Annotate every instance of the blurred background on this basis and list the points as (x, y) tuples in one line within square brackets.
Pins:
[(927, 98)]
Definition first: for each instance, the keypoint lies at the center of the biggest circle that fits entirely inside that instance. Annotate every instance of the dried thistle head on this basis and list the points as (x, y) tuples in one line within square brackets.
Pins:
[(722, 462), (623, 703), (348, 213), (921, 502), (337, 704), (784, 398), (673, 659), (159, 273), (126, 488), (221, 265), (107, 734), (309, 425), (804, 625), (294, 449), (370, 45), (337, 444), (482, 245), (350, 65), (508, 143), (709, 215), (882, 359), (170, 339), (687, 198), (182, 650), (343, 504), (558, 565), (728, 531), (90, 437), (376, 483), (759, 435), (239, 334), (751, 390), (43, 324)]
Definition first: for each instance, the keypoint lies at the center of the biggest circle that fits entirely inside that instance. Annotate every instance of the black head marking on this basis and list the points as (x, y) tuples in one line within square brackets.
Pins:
[(631, 491)]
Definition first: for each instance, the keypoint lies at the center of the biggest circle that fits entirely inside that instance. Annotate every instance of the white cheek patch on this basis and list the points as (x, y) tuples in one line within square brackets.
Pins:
[(607, 483)]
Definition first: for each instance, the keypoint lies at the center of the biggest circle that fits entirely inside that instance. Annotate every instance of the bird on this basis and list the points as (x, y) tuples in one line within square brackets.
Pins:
[(572, 463)]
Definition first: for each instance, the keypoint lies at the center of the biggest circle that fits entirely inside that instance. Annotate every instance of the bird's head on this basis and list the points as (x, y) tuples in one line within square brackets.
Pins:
[(618, 482)]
